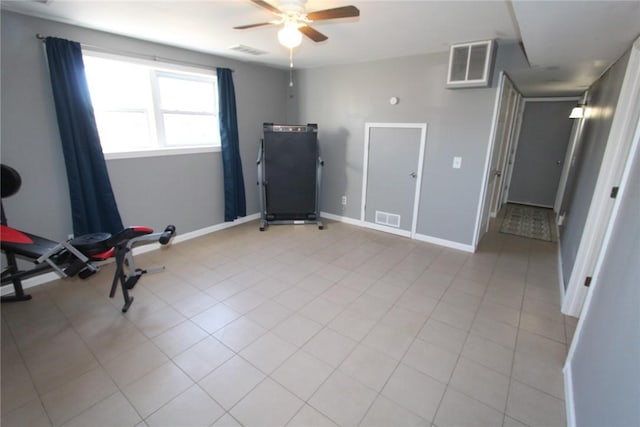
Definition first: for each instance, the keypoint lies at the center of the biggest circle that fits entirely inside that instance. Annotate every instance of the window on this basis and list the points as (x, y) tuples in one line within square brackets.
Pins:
[(144, 108)]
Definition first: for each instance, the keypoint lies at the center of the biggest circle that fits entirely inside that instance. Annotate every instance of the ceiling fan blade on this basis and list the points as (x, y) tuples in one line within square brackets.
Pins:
[(313, 34), (244, 27), (338, 12), (266, 5)]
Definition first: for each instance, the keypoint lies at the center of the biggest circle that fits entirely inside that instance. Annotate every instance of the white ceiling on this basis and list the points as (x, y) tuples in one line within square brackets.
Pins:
[(569, 43)]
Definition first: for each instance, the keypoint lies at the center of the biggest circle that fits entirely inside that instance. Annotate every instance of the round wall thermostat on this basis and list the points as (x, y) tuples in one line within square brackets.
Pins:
[(393, 100)]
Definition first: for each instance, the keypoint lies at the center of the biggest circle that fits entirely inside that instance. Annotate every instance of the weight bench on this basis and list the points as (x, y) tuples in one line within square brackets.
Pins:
[(76, 256)]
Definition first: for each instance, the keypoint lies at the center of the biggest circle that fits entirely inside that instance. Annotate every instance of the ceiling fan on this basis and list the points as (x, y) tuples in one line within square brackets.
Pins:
[(295, 20)]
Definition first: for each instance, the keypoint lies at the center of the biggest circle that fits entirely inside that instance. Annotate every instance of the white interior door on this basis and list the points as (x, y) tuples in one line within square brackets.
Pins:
[(511, 153), (505, 113), (505, 135), (391, 176)]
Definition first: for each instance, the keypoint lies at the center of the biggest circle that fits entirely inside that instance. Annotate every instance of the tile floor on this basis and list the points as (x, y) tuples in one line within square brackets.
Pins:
[(297, 327)]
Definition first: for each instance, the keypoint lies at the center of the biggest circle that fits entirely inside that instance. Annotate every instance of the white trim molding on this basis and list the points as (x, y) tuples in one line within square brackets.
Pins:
[(390, 230), (419, 237), (484, 184), (344, 219), (365, 171), (446, 243), (212, 229), (569, 396)]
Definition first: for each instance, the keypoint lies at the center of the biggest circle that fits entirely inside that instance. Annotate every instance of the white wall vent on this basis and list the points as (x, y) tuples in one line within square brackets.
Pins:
[(388, 219), (470, 64), (247, 49)]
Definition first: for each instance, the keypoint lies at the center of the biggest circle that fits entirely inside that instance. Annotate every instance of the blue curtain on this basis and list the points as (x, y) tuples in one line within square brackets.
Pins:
[(234, 199), (93, 205)]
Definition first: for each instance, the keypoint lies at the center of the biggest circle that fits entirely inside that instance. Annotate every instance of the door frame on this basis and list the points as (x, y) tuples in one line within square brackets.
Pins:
[(486, 196), (504, 150), (365, 171)]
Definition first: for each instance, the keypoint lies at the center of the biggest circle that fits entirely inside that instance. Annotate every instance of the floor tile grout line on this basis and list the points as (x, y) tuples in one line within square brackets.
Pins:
[(268, 375), (379, 393), (38, 394), (379, 321), (515, 347), (121, 390), (290, 356), (249, 362), (460, 354), (337, 368), (405, 353), (99, 362)]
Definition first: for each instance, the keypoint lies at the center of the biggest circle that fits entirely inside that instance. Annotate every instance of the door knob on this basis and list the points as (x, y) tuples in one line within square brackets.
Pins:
[(413, 174)]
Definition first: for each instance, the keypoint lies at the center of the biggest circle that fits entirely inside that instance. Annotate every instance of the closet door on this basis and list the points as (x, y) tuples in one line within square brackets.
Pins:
[(393, 169)]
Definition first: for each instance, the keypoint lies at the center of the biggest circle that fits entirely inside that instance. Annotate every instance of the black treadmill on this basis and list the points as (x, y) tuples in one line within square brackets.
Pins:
[(289, 175)]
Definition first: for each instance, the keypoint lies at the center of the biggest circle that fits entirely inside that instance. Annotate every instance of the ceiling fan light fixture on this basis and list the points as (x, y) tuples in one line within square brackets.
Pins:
[(289, 36)]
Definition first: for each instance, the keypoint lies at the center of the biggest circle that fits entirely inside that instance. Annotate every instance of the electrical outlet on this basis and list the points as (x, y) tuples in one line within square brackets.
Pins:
[(344, 200)]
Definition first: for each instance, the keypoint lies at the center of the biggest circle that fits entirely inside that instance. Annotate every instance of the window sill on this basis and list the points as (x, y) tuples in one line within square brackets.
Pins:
[(161, 152)]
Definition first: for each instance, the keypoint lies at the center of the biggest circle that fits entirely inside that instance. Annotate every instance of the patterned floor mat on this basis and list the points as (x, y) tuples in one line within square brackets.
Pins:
[(528, 221)]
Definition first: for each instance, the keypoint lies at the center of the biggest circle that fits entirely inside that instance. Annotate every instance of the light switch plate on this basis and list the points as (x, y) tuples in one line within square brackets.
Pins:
[(457, 162)]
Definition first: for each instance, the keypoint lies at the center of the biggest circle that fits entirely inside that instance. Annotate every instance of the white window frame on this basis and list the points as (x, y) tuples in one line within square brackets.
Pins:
[(157, 69), (485, 80)]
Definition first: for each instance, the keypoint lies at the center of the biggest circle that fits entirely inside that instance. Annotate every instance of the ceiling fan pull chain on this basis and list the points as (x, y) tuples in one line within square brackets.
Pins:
[(290, 67)]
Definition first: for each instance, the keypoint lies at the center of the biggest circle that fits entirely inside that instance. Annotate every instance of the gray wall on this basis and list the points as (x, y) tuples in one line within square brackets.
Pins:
[(342, 99), (185, 189), (588, 156), (605, 368)]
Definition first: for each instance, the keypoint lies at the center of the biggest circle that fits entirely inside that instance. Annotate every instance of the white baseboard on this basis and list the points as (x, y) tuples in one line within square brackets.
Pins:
[(446, 243), (32, 282), (568, 396), (52, 275), (390, 230), (213, 228), (339, 218), (420, 237)]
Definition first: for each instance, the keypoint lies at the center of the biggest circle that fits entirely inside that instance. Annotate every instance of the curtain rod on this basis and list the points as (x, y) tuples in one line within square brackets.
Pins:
[(154, 58)]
